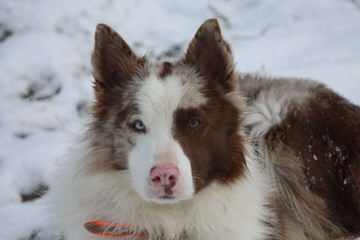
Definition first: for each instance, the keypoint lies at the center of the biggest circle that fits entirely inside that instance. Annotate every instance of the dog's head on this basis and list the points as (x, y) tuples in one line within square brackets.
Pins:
[(175, 126)]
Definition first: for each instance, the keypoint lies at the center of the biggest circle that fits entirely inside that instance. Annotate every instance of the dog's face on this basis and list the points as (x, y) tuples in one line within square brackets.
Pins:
[(174, 126)]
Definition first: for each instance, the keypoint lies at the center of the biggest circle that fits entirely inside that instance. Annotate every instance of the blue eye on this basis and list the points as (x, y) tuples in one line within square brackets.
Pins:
[(138, 126), (194, 123)]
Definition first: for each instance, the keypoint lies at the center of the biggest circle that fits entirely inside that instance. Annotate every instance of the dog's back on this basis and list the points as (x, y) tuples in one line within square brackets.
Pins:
[(309, 138)]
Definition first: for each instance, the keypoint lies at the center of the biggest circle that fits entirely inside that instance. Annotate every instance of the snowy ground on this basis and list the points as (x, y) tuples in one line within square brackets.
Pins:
[(45, 74)]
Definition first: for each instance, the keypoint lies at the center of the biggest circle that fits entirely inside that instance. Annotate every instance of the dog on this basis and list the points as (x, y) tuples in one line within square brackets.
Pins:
[(191, 149)]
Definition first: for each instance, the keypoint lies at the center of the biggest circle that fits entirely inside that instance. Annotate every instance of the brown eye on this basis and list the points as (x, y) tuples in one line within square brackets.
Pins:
[(194, 123), (138, 126)]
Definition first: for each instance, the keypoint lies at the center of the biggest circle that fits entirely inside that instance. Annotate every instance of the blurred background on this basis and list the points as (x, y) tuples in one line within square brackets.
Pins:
[(45, 72)]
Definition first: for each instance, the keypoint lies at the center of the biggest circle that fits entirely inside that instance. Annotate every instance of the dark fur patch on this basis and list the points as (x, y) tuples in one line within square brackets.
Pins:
[(325, 134), (215, 147), (166, 70), (276, 224), (36, 194), (211, 56), (115, 66)]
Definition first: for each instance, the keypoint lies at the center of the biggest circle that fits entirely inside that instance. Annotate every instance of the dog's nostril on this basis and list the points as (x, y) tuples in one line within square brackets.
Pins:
[(156, 179)]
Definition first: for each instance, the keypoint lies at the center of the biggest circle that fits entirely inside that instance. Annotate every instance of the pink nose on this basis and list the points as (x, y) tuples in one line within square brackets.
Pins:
[(164, 175)]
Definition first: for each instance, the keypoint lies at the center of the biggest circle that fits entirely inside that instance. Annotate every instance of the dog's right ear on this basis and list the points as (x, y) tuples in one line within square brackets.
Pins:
[(113, 61)]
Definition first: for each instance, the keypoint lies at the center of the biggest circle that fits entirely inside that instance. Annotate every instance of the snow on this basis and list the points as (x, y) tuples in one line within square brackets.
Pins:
[(45, 83)]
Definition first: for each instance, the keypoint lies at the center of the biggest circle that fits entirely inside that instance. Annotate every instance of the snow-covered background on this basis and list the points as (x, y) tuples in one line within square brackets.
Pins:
[(45, 74)]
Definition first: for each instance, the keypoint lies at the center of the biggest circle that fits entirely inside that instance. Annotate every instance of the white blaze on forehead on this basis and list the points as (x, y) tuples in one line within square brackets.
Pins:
[(158, 99)]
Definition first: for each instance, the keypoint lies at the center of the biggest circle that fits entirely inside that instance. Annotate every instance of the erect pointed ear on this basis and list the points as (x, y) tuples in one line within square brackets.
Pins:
[(113, 61), (211, 56)]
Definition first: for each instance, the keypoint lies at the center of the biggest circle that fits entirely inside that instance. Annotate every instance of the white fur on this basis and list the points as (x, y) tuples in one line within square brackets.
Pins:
[(271, 105), (218, 212)]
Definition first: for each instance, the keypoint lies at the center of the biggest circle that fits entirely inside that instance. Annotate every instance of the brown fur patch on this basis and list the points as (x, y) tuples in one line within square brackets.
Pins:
[(276, 223), (215, 147), (211, 56), (115, 66), (324, 135), (113, 60), (166, 70)]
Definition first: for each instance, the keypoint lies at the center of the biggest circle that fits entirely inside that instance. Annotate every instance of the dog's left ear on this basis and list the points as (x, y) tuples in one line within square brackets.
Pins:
[(211, 56)]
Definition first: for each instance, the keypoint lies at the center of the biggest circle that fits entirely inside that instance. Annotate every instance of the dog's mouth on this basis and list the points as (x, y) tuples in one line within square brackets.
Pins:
[(166, 197), (162, 194)]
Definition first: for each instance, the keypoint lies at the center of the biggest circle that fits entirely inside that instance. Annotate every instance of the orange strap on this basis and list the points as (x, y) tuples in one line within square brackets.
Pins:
[(113, 229)]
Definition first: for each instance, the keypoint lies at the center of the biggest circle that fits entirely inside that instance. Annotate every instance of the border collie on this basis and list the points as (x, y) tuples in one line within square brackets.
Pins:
[(191, 150)]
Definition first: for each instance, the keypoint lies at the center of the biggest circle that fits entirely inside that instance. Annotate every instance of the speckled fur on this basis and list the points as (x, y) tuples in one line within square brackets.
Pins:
[(282, 115)]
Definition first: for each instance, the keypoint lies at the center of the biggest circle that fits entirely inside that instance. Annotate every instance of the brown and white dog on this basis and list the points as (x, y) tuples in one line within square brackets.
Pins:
[(190, 150)]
